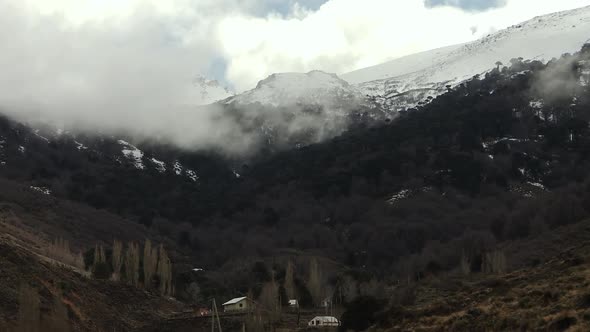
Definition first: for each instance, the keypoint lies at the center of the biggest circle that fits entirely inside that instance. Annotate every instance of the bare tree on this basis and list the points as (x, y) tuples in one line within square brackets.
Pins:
[(165, 272), (132, 264), (150, 262), (290, 281), (99, 255), (465, 264), (79, 261), (269, 299), (117, 259), (314, 283), (348, 289), (494, 262)]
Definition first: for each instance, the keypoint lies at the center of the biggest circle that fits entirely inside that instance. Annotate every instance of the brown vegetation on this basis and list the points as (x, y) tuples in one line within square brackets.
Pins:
[(60, 251), (132, 264), (314, 282), (550, 297), (289, 283), (165, 272), (150, 263), (117, 259), (52, 292)]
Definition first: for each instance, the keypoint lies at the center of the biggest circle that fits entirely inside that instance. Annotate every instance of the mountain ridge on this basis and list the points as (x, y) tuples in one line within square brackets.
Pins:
[(405, 82)]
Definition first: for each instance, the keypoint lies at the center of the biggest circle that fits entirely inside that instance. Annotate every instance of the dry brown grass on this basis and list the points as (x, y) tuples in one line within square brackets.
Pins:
[(554, 296)]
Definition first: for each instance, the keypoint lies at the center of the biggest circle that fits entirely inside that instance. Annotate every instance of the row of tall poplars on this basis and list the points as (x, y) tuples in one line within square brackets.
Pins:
[(152, 270)]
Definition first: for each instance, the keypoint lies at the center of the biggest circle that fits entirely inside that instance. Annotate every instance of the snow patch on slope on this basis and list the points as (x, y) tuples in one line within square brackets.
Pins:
[(402, 194), (178, 169), (132, 153), (160, 165), (192, 175), (36, 132), (80, 146), (42, 190)]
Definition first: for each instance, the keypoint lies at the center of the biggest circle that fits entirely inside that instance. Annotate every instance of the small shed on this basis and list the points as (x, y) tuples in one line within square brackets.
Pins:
[(293, 303), (323, 321), (237, 304)]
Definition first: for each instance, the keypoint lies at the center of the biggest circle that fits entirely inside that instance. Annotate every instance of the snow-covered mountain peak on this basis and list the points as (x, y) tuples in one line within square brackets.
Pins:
[(317, 79), (402, 83), (211, 90), (313, 88)]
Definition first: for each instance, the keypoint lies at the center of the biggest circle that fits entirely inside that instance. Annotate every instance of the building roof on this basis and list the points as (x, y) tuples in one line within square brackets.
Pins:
[(326, 319), (234, 301)]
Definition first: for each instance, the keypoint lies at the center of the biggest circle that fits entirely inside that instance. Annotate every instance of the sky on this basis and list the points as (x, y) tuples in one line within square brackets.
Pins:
[(119, 61), (240, 42)]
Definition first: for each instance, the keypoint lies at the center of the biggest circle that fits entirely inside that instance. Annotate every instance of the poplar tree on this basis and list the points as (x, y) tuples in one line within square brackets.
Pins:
[(314, 283), (150, 263), (165, 272), (117, 259), (132, 264), (290, 281)]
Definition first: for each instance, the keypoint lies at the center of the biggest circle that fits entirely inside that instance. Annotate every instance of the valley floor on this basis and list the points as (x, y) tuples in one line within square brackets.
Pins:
[(552, 296)]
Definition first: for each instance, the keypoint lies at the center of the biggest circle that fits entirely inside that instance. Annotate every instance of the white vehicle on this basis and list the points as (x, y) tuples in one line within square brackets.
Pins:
[(323, 321)]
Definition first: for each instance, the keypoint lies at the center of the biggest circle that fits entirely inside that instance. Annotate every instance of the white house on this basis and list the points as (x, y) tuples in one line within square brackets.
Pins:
[(323, 321), (293, 303), (237, 304)]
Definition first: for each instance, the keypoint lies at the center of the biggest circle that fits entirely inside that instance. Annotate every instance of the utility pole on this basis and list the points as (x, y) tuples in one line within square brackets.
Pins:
[(215, 314)]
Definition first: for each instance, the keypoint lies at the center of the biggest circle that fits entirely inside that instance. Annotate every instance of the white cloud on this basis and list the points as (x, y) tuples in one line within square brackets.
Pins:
[(130, 72), (344, 35), (129, 64)]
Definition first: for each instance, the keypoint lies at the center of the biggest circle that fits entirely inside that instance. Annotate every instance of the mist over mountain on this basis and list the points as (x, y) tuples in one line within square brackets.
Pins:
[(284, 110)]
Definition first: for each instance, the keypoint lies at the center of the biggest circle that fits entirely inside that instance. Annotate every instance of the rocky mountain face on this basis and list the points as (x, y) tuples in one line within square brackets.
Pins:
[(293, 110)]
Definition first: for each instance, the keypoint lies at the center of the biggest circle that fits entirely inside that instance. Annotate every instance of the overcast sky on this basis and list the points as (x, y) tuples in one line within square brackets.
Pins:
[(114, 61), (241, 41)]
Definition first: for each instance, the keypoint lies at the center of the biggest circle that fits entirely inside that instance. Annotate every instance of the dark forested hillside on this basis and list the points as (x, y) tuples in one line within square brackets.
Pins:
[(499, 158)]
